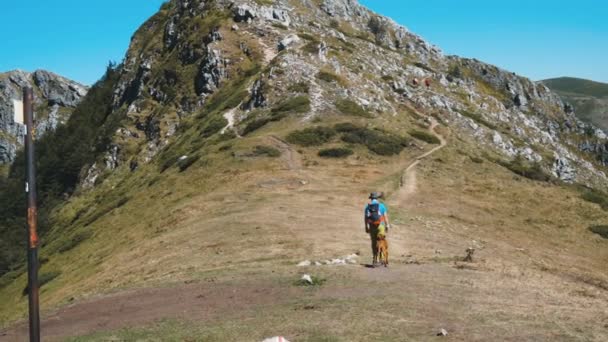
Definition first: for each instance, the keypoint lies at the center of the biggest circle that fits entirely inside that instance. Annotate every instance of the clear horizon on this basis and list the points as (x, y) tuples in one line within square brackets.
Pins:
[(534, 39)]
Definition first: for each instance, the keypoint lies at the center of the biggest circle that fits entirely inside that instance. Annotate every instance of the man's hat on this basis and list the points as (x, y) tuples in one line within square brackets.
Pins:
[(374, 195)]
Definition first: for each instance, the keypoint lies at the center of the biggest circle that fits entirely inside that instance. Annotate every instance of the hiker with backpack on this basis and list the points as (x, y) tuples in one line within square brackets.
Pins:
[(376, 222)]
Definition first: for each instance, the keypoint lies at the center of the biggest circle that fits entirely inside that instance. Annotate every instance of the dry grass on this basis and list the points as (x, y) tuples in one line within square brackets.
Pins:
[(535, 267)]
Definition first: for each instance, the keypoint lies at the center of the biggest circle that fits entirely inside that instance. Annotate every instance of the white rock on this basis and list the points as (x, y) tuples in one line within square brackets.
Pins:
[(276, 339), (307, 278), (304, 263)]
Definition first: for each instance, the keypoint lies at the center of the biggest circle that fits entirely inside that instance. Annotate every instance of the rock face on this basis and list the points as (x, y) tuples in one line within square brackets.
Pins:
[(265, 52), (54, 100)]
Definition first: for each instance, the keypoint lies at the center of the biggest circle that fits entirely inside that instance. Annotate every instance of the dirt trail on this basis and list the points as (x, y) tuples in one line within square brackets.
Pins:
[(288, 154), (407, 184)]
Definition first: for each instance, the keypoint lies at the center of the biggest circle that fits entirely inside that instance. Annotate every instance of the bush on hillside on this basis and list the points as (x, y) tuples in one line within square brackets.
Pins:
[(298, 104), (213, 126), (425, 136), (330, 77), (600, 230), (268, 151), (313, 136), (377, 141), (597, 197), (184, 163), (531, 171), (340, 152), (349, 107), (346, 127)]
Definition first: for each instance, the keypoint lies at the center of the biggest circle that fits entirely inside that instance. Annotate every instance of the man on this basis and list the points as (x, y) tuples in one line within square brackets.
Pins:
[(376, 219)]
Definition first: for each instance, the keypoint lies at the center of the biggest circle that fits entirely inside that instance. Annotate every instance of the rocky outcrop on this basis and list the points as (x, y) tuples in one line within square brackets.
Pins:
[(55, 98), (212, 71)]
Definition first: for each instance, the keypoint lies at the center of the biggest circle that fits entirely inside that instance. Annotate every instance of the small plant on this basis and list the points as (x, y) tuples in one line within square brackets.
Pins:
[(597, 197), (600, 230), (476, 160), (425, 136), (213, 126), (184, 163), (349, 107), (313, 136), (300, 87), (268, 151), (298, 104), (308, 37), (377, 141), (531, 171), (346, 127), (311, 47), (340, 152), (330, 77)]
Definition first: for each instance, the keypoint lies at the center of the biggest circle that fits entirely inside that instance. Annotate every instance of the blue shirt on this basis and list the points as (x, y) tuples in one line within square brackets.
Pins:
[(382, 208)]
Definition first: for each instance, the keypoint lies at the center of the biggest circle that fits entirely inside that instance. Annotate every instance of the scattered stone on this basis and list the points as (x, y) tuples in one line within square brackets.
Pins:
[(276, 339), (304, 263), (307, 278), (288, 41), (442, 332)]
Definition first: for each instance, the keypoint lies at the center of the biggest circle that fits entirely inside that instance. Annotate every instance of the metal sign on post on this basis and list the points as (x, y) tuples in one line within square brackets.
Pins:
[(32, 215), (18, 106)]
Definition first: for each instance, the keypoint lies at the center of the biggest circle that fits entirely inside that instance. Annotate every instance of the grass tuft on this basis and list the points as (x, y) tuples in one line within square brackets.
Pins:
[(339, 152), (600, 230), (313, 136), (350, 107), (425, 136)]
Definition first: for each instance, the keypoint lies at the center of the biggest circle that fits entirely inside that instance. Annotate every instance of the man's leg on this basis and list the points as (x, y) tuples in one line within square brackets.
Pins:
[(373, 233)]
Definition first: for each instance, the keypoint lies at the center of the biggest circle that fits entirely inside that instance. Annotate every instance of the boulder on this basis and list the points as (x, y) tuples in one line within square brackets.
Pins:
[(288, 41)]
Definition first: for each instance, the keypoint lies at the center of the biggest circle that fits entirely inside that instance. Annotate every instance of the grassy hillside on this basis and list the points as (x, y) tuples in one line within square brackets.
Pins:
[(589, 98), (578, 86)]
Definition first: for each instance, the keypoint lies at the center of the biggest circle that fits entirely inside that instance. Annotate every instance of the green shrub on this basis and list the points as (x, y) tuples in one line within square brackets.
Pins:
[(213, 126), (596, 196), (298, 104), (43, 279), (308, 37), (184, 163), (339, 152), (425, 136), (476, 160), (531, 171), (377, 141), (345, 127), (300, 87), (600, 230), (266, 151), (311, 47), (255, 125), (349, 107), (313, 136), (330, 77)]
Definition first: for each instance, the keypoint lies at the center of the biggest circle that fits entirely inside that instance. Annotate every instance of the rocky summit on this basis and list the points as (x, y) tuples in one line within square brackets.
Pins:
[(219, 173), (56, 97), (339, 50)]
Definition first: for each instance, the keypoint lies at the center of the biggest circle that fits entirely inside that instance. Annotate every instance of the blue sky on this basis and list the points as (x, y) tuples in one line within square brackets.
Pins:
[(536, 38)]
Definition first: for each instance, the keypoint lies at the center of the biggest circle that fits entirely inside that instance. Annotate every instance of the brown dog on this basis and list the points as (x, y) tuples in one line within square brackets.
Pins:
[(382, 244)]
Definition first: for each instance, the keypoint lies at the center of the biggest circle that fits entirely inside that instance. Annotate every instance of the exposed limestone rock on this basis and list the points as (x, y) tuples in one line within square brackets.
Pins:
[(212, 71), (288, 41), (57, 98)]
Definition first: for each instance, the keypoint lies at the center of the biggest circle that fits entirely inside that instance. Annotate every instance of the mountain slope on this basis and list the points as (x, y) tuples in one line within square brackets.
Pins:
[(589, 99), (55, 101), (210, 171)]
